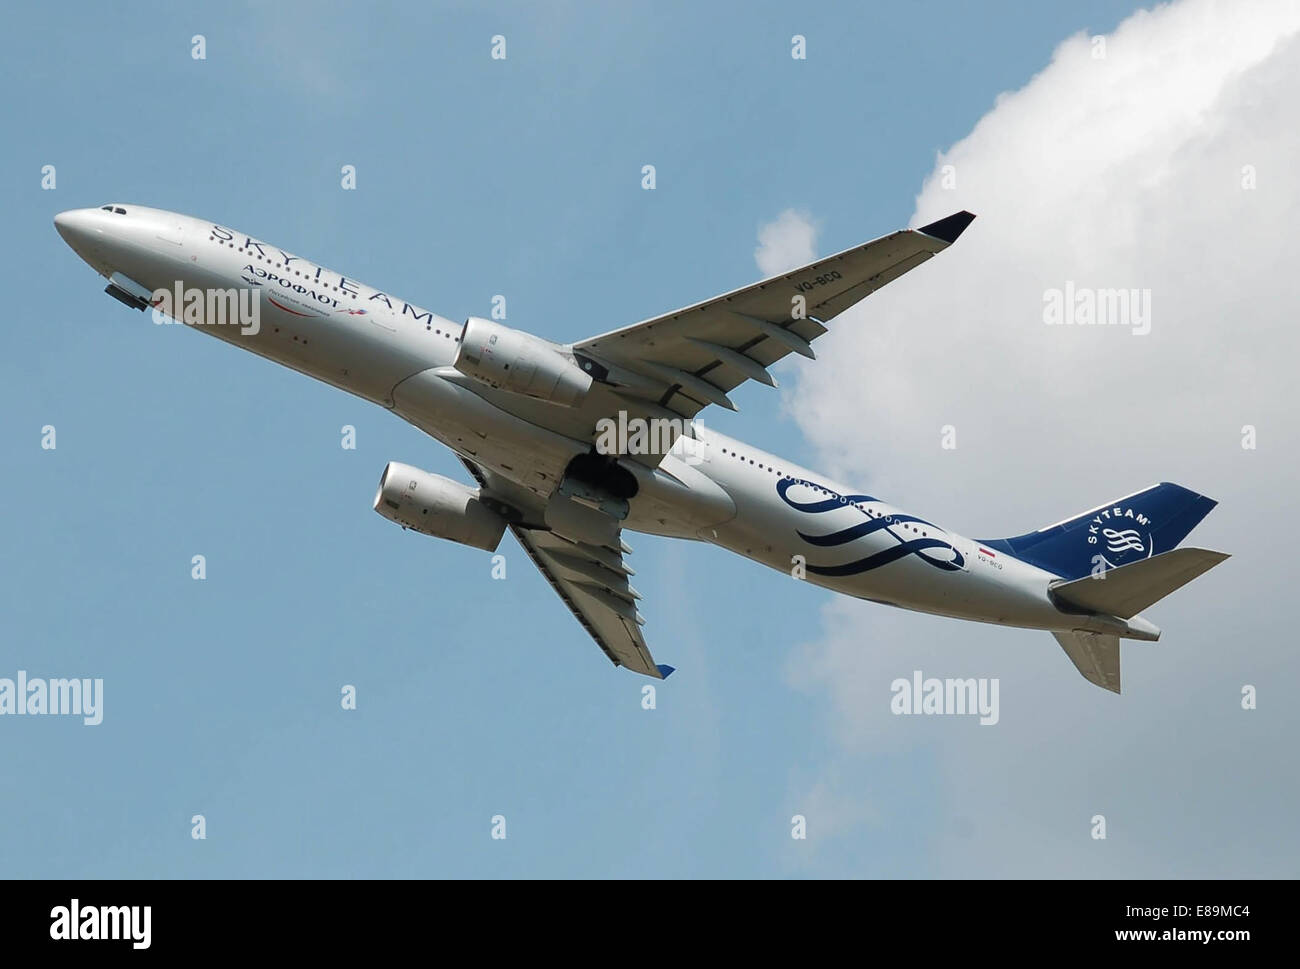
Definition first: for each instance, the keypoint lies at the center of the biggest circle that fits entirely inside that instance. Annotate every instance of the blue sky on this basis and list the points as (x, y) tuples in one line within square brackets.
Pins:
[(474, 177)]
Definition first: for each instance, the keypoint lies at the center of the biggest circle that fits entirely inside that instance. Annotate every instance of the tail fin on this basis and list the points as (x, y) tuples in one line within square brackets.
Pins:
[(1118, 533)]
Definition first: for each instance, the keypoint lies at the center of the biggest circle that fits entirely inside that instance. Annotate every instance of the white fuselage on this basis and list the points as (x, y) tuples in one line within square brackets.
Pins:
[(398, 355)]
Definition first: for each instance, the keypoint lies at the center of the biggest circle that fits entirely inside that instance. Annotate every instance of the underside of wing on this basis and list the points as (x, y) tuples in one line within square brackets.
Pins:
[(683, 361), (592, 582), (591, 579)]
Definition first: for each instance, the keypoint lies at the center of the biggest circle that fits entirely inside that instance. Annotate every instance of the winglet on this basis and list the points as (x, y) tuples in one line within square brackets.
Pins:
[(665, 670), (950, 228)]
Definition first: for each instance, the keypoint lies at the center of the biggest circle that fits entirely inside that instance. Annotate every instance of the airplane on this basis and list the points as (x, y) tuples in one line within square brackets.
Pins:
[(572, 445)]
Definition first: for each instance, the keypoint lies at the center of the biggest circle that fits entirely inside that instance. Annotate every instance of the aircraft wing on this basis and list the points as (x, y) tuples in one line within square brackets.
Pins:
[(592, 580), (684, 360)]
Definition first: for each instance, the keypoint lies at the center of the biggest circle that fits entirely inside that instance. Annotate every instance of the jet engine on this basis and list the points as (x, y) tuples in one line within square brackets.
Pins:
[(433, 505), (519, 363)]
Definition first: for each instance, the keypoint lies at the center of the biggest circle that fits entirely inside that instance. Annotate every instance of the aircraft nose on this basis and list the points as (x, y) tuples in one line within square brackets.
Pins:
[(71, 225), (81, 230)]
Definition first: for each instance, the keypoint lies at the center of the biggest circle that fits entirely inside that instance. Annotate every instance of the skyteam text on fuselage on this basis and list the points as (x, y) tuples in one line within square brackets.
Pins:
[(543, 429)]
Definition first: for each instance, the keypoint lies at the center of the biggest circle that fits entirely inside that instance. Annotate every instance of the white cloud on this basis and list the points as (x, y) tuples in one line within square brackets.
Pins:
[(786, 243), (1125, 172)]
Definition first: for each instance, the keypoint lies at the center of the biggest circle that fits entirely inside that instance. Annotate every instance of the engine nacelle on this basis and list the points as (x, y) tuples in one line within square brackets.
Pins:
[(437, 506), (520, 363)]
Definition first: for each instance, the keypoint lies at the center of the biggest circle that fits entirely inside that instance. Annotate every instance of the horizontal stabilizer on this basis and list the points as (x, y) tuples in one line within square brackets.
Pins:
[(1129, 589), (1095, 654)]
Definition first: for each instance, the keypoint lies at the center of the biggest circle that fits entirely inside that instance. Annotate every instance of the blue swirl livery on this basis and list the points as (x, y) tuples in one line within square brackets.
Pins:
[(909, 535)]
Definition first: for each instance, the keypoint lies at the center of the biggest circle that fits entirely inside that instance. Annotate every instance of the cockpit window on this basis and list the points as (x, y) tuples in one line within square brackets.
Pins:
[(120, 211), (107, 208), (116, 210)]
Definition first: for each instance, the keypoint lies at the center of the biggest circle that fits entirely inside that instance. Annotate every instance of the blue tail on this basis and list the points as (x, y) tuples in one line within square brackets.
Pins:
[(1117, 533)]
